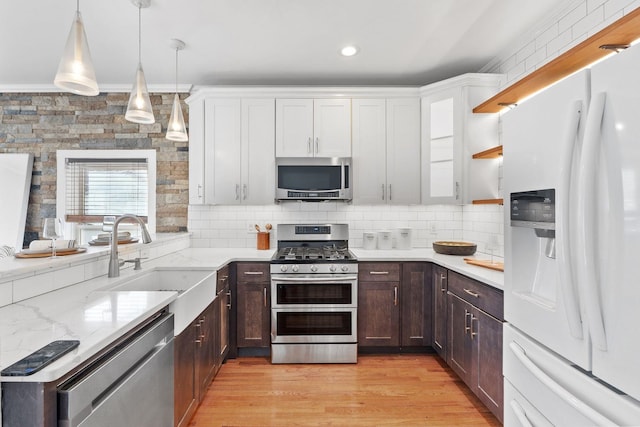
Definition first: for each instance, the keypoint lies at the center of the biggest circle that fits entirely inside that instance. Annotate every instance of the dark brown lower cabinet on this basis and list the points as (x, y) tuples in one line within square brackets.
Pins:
[(474, 346), (193, 364), (253, 306), (439, 281), (185, 394), (394, 304)]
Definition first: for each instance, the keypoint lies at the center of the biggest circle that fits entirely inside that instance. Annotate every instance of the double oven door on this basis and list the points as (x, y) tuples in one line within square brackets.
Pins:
[(314, 308)]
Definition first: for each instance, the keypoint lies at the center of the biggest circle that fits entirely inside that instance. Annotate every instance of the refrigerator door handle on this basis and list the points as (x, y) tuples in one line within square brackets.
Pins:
[(567, 282), (587, 226), (520, 414), (560, 391)]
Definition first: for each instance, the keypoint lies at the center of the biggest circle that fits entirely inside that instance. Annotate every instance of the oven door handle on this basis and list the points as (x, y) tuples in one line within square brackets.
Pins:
[(340, 278)]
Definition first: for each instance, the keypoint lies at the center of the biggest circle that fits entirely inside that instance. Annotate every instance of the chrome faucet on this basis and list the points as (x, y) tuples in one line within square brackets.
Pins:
[(114, 262)]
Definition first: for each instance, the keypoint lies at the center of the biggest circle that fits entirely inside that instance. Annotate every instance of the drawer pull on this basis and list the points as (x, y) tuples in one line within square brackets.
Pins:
[(254, 273), (443, 279), (470, 292), (467, 314), (378, 272)]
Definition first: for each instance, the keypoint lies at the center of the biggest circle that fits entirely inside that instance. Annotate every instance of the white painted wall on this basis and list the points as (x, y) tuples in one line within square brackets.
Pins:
[(568, 26)]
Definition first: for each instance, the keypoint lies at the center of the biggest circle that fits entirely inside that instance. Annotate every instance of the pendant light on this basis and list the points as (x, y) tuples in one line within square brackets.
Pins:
[(75, 71), (139, 107), (176, 130)]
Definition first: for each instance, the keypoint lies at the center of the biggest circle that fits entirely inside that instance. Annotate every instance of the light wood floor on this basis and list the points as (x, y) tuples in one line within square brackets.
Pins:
[(381, 390)]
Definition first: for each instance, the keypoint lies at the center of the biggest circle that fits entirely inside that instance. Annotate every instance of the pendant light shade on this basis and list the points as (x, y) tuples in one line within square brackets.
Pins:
[(176, 129), (75, 71), (139, 108)]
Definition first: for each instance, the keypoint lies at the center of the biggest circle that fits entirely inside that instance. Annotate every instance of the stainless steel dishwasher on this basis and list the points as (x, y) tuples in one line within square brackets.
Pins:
[(131, 386)]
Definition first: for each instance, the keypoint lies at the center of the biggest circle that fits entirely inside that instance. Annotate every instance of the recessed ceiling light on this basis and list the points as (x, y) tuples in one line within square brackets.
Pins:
[(349, 51)]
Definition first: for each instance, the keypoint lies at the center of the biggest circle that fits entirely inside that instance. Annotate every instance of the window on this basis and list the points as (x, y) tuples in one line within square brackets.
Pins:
[(93, 184)]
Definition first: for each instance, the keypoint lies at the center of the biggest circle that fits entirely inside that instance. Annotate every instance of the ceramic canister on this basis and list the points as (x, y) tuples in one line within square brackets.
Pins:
[(369, 240), (385, 240)]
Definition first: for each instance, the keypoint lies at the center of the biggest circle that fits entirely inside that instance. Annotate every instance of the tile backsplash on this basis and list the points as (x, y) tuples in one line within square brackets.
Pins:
[(233, 226)]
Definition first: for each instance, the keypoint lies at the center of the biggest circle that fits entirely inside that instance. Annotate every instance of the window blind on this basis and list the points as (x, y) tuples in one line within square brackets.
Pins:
[(99, 187)]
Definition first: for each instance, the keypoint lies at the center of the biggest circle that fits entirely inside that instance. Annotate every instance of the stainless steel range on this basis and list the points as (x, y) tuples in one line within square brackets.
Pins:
[(314, 295)]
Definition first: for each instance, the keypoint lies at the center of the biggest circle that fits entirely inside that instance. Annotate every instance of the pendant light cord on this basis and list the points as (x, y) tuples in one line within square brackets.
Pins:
[(177, 69), (77, 5), (139, 34)]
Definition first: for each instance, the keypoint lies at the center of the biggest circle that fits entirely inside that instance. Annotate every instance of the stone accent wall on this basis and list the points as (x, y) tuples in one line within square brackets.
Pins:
[(41, 123)]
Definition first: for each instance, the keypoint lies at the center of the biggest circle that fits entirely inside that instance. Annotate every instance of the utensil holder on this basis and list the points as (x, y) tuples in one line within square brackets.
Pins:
[(263, 240)]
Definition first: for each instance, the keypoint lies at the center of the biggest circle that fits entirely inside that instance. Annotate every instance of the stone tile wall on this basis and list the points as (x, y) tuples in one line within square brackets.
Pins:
[(41, 123)]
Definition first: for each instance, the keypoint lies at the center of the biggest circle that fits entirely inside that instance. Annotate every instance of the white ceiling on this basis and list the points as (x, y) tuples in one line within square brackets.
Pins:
[(268, 42)]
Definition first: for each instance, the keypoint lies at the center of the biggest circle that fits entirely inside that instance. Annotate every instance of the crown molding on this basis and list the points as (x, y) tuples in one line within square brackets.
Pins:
[(105, 88)]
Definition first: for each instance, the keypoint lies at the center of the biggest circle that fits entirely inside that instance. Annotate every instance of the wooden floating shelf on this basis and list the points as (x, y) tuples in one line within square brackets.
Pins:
[(623, 31), (491, 153), (488, 202)]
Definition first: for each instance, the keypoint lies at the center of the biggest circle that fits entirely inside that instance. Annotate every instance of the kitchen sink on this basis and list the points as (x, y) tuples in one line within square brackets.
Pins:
[(196, 289)]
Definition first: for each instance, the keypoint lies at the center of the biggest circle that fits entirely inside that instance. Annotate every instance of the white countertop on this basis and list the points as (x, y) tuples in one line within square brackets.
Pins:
[(452, 262), (97, 318)]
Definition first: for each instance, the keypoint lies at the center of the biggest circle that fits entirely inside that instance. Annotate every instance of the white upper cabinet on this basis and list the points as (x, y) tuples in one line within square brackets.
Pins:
[(313, 127), (231, 151), (451, 134), (386, 151)]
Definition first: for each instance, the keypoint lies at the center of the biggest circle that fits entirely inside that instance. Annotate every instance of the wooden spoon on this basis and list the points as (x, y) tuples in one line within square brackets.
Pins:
[(268, 227), (257, 228)]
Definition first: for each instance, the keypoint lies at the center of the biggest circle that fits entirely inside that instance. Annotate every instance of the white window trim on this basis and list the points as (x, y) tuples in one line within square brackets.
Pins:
[(61, 191)]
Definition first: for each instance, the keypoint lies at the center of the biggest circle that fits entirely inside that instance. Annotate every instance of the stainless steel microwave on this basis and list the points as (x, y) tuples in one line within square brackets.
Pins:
[(313, 178)]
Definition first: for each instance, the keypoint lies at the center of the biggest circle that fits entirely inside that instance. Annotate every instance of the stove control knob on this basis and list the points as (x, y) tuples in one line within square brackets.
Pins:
[(314, 268), (295, 268), (332, 268), (284, 268), (345, 268)]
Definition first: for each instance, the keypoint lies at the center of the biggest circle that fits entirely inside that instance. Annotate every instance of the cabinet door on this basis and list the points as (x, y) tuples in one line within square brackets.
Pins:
[(258, 151), (403, 151), (441, 149), (416, 299), (294, 128), (439, 279), (205, 352), (222, 151), (196, 153), (253, 315), (460, 357), (369, 151), (490, 387), (332, 127), (378, 314), (185, 395)]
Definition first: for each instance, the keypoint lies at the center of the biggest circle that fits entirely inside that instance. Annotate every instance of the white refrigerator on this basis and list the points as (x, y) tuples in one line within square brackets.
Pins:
[(571, 178)]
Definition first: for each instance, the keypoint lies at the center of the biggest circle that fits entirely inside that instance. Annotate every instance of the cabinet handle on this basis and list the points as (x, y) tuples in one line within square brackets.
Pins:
[(317, 145), (244, 192), (473, 334), (373, 273), (199, 191), (309, 145), (389, 191), (470, 292), (230, 302), (443, 278), (457, 190), (237, 191), (199, 342), (254, 273), (264, 296), (382, 191), (395, 295), (466, 316)]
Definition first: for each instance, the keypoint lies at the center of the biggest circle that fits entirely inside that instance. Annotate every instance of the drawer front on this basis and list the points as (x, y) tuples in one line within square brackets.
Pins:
[(379, 271), (252, 272), (483, 296), (222, 278)]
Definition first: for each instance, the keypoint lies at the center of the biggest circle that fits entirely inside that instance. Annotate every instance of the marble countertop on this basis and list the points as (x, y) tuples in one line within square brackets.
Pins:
[(97, 318)]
